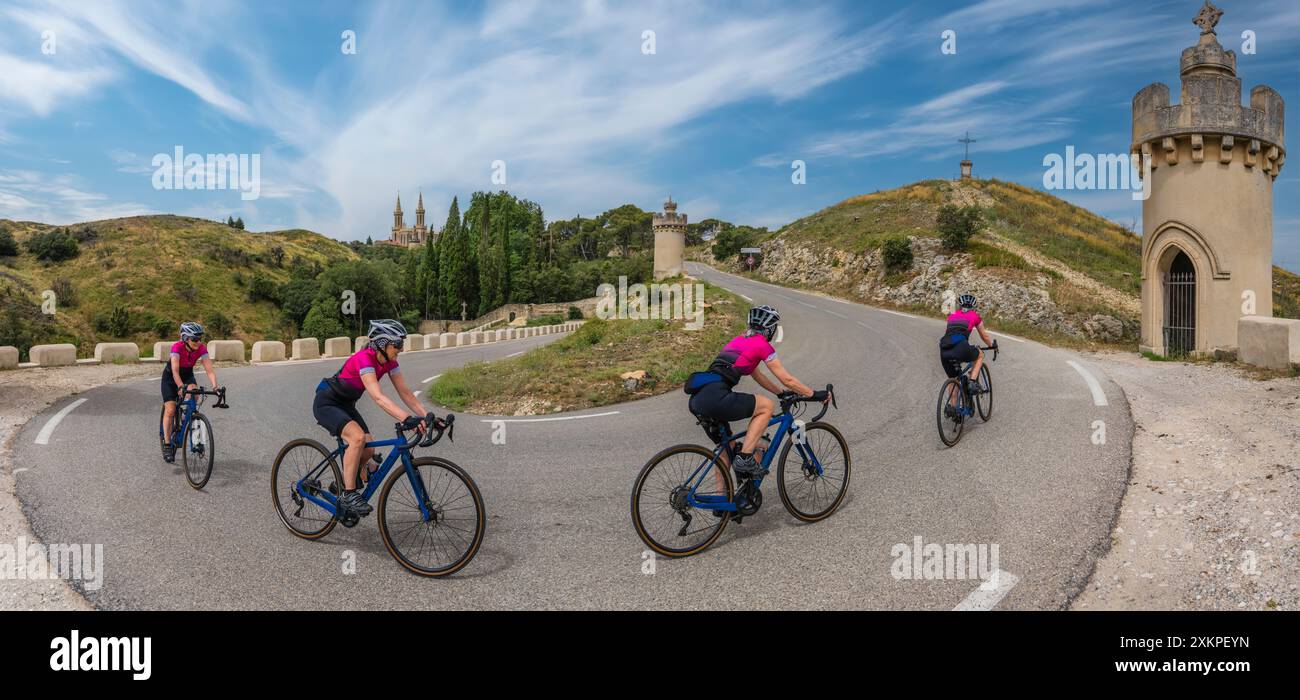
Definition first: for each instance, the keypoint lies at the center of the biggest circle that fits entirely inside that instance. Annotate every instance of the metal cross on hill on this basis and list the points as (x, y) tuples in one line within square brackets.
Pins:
[(968, 141)]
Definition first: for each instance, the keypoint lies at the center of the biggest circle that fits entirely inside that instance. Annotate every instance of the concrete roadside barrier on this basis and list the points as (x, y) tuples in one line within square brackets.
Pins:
[(503, 335), (447, 340), (1268, 342), (162, 351), (337, 347), (432, 341), (226, 351), (116, 352), (414, 342), (306, 349), (268, 351), (57, 355), (8, 357), (462, 339), (360, 344)]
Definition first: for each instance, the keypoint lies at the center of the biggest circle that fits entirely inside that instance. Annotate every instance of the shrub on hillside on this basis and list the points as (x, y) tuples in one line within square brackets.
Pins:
[(322, 322), (218, 326), (53, 246), (575, 313), (262, 288), (896, 253), (8, 246), (115, 323), (957, 225), (64, 293)]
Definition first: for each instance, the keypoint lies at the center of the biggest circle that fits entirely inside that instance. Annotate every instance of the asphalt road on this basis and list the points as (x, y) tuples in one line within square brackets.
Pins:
[(1033, 481)]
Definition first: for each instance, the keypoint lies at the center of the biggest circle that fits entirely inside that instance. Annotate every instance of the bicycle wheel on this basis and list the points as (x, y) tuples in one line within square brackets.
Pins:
[(984, 399), (296, 460), (445, 543), (198, 451), (660, 514), (810, 496), (951, 420)]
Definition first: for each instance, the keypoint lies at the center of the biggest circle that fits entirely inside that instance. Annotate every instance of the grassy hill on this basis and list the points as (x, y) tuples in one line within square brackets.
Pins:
[(137, 278), (1085, 264)]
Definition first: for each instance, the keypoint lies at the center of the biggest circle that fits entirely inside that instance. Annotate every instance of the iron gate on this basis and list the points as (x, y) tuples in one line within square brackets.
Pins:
[(1180, 307)]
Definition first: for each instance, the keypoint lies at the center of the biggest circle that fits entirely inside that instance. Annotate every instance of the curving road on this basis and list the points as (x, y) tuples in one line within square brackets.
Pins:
[(1032, 481)]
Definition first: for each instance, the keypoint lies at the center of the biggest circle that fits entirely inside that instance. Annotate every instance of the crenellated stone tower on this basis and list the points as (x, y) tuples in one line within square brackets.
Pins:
[(670, 241), (1207, 243)]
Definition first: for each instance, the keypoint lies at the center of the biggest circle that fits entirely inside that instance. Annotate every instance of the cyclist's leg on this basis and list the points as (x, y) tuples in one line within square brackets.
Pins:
[(169, 414), (355, 437), (979, 362), (763, 409)]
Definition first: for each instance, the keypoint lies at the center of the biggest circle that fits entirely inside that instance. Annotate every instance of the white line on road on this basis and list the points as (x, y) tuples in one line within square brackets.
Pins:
[(1008, 336), (780, 335), (543, 420), (43, 438), (20, 470), (515, 354), (742, 296), (426, 381), (987, 598), (416, 393), (834, 313), (898, 313), (1098, 396)]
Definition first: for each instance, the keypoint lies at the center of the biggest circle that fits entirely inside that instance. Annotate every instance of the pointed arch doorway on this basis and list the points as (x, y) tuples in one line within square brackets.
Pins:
[(1180, 306)]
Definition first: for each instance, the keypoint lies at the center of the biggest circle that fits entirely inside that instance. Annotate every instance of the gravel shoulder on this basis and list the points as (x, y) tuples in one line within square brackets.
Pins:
[(1211, 518), (23, 395)]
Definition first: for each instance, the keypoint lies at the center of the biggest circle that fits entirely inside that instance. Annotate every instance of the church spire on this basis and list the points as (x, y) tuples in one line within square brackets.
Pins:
[(419, 218)]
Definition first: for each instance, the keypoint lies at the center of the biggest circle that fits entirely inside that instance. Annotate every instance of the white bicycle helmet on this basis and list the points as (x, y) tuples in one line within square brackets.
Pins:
[(966, 301), (764, 319), (191, 331), (385, 332)]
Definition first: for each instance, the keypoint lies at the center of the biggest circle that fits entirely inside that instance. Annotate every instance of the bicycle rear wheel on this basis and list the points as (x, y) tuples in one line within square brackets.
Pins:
[(447, 541), (808, 495), (662, 517), (952, 402), (984, 399), (303, 517), (198, 451)]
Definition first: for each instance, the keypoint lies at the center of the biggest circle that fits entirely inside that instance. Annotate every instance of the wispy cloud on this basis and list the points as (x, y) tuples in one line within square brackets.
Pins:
[(32, 196)]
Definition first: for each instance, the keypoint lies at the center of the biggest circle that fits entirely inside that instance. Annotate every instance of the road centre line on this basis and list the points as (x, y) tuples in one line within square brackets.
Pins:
[(983, 598), (1098, 396), (43, 438)]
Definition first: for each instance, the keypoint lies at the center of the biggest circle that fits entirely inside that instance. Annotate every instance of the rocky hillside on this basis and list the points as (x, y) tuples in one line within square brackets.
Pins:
[(1041, 266), (136, 278)]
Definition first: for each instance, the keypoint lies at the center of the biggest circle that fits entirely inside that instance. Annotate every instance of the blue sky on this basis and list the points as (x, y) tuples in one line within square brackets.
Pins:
[(562, 92)]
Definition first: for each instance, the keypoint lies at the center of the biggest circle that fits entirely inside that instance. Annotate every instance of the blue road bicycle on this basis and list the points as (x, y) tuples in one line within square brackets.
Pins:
[(192, 434), (960, 399), (683, 498), (430, 511)]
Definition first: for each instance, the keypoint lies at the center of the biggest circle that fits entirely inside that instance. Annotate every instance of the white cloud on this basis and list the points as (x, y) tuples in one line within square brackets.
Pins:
[(27, 195)]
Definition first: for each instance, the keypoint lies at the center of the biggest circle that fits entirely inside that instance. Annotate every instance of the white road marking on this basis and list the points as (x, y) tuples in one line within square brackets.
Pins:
[(543, 420), (834, 313), (1007, 336), (1098, 396), (426, 381), (416, 393), (780, 335), (742, 296), (20, 470), (987, 598), (898, 313), (43, 438), (515, 354), (806, 304)]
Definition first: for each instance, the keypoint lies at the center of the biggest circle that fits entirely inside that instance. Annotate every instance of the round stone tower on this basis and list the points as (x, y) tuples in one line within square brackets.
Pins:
[(670, 241), (1207, 225)]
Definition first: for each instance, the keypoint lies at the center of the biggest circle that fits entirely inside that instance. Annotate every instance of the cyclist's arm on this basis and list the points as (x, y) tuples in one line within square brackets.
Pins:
[(784, 376), (411, 400), (984, 334), (212, 373), (176, 370), (377, 395), (764, 382)]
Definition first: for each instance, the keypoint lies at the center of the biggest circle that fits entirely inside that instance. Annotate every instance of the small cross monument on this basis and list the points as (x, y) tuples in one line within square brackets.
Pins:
[(965, 163)]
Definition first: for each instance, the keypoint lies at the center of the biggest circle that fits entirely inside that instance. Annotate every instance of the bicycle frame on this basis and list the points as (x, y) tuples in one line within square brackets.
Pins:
[(784, 423), (188, 407), (329, 501)]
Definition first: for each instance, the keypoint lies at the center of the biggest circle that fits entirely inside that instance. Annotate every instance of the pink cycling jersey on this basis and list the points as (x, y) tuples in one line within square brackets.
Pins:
[(970, 317), (188, 357), (365, 362), (745, 352)]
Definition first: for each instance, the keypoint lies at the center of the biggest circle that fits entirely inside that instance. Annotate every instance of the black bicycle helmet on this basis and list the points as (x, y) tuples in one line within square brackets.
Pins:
[(966, 301)]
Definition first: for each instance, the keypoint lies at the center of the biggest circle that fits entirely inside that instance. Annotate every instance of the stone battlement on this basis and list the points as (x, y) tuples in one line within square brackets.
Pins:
[(668, 220)]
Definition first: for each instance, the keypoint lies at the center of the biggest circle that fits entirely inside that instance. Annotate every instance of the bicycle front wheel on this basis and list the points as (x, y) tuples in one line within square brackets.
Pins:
[(448, 539), (304, 517), (949, 410), (198, 451), (984, 399), (660, 512), (813, 484)]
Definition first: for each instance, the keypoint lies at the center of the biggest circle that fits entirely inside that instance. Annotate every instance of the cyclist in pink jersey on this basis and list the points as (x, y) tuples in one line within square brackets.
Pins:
[(179, 372), (955, 347), (335, 405), (712, 395)]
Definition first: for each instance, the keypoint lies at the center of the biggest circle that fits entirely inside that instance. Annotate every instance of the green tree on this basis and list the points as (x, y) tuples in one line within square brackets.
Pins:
[(323, 321), (896, 253), (53, 246), (957, 225), (8, 246)]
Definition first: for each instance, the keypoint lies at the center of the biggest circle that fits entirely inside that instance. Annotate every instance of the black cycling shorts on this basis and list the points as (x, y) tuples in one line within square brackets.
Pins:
[(171, 392), (953, 358), (334, 412), (719, 402)]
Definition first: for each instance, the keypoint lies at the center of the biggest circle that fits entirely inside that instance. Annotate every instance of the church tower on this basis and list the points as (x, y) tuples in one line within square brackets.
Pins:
[(1207, 224), (419, 220), (398, 223)]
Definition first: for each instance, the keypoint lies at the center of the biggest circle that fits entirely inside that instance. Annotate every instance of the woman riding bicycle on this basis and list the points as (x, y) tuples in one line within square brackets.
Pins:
[(955, 347), (335, 406), (185, 353), (712, 395)]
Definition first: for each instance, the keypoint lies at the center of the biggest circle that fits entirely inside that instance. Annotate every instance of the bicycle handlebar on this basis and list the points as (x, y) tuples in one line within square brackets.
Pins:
[(994, 348), (432, 434), (219, 392), (788, 399)]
